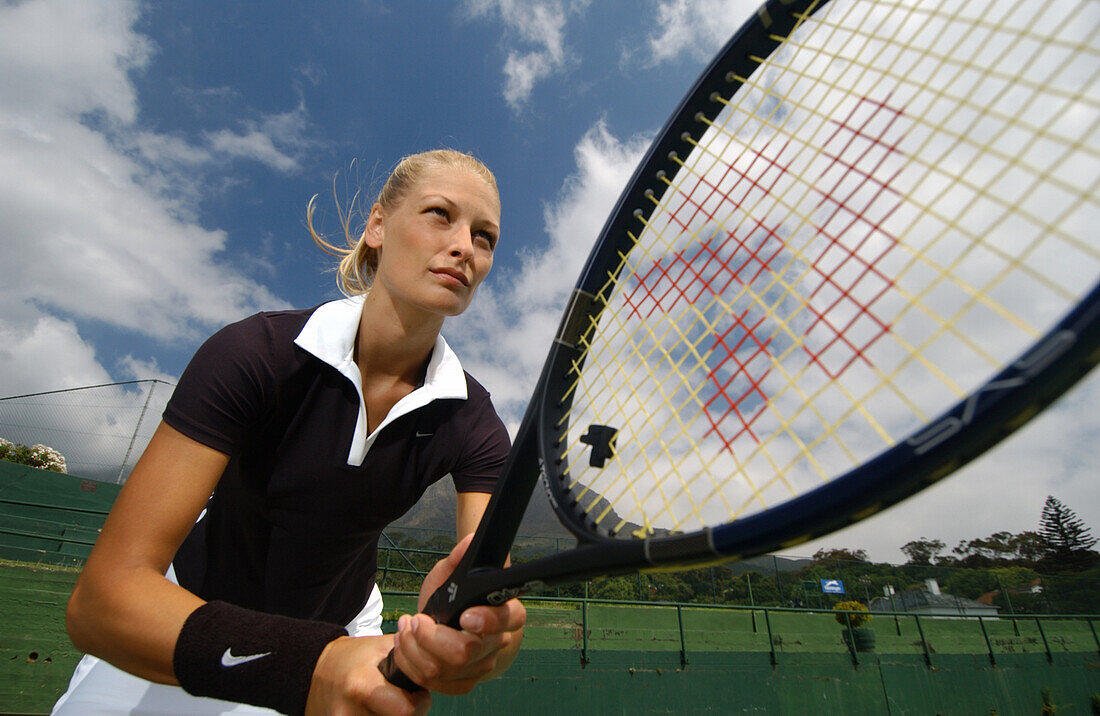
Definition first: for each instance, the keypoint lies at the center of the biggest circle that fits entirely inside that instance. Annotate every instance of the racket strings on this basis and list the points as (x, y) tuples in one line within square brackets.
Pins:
[(840, 238)]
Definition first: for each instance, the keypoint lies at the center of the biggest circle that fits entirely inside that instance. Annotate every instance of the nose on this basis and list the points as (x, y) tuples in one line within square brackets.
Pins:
[(462, 246)]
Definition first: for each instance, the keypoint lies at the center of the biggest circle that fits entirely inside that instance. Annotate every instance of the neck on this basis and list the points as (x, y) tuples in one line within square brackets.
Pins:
[(392, 343)]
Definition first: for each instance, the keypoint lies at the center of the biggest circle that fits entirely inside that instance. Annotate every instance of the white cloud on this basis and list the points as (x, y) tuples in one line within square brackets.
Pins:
[(505, 335), (277, 140), (99, 214), (1056, 454), (535, 40), (68, 57), (86, 236), (45, 354), (697, 28), (97, 429)]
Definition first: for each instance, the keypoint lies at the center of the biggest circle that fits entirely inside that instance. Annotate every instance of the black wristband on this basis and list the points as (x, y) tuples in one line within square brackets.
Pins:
[(236, 654)]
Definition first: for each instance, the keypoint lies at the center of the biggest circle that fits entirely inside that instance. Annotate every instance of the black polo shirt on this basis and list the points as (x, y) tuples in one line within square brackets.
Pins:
[(293, 525)]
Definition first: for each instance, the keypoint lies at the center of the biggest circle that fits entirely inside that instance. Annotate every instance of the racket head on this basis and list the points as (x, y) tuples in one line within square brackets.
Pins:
[(856, 257)]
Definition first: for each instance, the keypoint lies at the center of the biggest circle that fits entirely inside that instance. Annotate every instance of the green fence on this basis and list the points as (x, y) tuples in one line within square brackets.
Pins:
[(405, 554), (642, 654), (50, 518), (599, 656)]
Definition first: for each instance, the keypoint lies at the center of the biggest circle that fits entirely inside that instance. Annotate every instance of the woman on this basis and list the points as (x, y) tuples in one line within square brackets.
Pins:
[(311, 430)]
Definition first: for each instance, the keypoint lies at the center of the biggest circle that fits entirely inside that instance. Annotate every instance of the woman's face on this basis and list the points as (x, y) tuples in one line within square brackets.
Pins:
[(436, 246)]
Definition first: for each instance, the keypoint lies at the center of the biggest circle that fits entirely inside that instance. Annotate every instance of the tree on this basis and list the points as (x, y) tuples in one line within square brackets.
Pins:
[(1029, 546), (998, 549), (922, 551), (1066, 538), (841, 554)]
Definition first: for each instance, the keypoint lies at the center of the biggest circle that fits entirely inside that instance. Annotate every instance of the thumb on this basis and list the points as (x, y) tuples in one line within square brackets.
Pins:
[(443, 569), (457, 553)]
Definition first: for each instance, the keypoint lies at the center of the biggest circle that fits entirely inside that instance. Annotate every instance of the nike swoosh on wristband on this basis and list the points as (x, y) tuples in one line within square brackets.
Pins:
[(229, 660)]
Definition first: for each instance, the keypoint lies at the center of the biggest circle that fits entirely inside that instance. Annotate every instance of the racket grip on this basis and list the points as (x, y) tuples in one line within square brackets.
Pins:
[(395, 676)]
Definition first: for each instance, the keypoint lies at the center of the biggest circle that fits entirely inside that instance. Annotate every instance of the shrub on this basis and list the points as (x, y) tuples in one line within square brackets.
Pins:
[(40, 456), (857, 620)]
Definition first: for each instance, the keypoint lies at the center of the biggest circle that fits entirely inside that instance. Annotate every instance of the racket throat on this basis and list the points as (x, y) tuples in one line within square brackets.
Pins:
[(496, 586)]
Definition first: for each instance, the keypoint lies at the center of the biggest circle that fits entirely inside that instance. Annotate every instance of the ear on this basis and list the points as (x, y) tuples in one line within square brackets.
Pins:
[(372, 234)]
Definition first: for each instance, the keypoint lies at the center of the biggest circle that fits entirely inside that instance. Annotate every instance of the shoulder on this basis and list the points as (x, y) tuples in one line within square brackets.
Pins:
[(483, 441), (479, 416), (478, 406), (475, 391), (262, 339), (266, 326), (236, 377)]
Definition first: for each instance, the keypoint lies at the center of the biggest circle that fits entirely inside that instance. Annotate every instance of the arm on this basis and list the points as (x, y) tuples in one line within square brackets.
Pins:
[(126, 612), (469, 508), (122, 608)]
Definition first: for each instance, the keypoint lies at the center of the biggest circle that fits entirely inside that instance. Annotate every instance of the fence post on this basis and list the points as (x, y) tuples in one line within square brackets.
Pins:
[(1004, 593), (683, 648), (988, 644), (584, 632), (778, 583), (923, 641), (851, 641), (771, 642), (386, 567), (133, 438), (748, 580), (1046, 644)]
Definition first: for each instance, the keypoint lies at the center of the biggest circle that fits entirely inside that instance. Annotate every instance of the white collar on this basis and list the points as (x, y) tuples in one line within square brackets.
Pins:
[(329, 334)]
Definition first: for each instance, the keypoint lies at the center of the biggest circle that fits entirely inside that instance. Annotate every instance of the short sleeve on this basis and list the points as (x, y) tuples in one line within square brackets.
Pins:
[(485, 451), (227, 388)]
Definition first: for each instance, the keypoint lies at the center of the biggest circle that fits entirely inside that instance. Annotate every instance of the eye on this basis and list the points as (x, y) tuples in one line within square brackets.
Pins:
[(487, 238), (439, 211)]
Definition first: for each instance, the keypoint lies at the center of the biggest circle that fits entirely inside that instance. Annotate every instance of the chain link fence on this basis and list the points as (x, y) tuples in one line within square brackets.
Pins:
[(100, 429), (406, 553)]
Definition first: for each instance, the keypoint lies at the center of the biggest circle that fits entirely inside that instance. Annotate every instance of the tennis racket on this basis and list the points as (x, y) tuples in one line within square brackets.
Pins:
[(861, 252)]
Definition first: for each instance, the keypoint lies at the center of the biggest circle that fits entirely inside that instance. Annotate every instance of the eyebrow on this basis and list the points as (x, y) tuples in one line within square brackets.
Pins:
[(430, 197)]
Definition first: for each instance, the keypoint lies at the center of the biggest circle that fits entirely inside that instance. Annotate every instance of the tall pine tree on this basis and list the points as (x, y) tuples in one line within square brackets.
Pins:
[(1067, 540)]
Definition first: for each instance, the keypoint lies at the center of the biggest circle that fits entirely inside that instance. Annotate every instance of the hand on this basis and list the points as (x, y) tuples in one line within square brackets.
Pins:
[(453, 661), (347, 681)]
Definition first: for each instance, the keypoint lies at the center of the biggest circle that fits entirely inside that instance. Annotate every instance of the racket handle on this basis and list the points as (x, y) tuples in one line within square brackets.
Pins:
[(395, 676)]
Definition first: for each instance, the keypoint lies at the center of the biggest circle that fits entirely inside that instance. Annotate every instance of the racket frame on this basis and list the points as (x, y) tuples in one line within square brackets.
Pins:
[(1000, 406)]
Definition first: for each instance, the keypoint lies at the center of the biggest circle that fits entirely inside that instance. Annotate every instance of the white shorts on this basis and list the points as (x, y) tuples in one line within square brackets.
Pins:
[(99, 688)]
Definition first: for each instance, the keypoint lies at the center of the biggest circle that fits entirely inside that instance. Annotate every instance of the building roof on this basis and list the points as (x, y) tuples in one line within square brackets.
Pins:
[(921, 600)]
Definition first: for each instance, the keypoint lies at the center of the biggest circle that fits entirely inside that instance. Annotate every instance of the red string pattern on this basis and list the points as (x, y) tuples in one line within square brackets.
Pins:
[(839, 285)]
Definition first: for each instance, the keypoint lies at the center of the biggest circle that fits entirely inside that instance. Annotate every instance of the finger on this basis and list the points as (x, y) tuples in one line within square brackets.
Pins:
[(450, 648), (483, 620), (441, 658), (457, 553), (455, 648), (390, 699)]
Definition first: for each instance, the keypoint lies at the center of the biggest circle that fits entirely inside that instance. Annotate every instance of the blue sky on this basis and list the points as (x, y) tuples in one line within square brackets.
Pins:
[(156, 160)]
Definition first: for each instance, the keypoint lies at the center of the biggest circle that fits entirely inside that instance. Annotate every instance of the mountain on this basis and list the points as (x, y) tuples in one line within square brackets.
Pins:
[(436, 511)]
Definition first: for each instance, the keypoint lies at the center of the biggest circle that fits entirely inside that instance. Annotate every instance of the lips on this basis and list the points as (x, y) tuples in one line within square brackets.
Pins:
[(459, 276)]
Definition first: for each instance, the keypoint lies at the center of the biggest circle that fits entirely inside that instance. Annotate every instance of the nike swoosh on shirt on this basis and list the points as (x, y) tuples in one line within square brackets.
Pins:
[(229, 659), (423, 435)]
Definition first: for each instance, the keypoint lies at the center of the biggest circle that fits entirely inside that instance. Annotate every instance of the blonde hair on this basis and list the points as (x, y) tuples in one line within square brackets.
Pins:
[(358, 261)]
